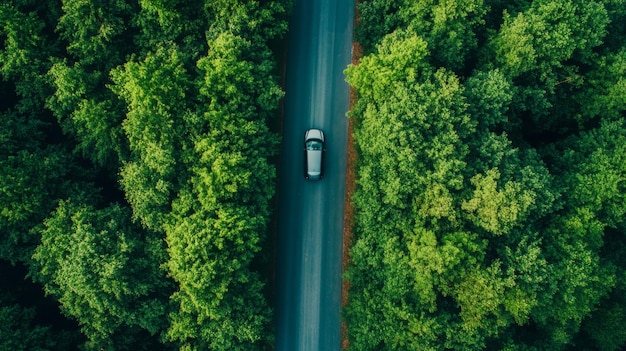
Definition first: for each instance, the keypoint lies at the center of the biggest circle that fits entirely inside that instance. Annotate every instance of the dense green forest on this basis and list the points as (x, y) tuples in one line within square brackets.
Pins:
[(137, 141), (491, 177)]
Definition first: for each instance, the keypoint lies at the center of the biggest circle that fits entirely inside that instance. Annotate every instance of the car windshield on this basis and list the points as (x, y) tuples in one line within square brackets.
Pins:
[(314, 145)]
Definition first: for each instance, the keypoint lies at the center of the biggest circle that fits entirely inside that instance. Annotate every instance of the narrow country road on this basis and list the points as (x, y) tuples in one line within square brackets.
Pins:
[(310, 218)]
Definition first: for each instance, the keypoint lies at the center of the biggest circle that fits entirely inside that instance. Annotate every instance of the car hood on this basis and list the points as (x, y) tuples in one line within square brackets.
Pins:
[(314, 134)]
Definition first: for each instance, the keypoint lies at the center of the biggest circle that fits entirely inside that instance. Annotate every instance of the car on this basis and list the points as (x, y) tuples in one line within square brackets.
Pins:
[(314, 149)]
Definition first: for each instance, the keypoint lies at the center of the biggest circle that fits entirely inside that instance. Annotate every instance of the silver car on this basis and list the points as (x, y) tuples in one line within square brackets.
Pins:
[(314, 154)]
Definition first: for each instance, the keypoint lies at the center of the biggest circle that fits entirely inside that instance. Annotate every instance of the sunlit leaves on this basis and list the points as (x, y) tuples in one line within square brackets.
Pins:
[(102, 271), (165, 103), (220, 217), (233, 81), (497, 210), (155, 92), (219, 297), (503, 219), (399, 58), (547, 35), (256, 20)]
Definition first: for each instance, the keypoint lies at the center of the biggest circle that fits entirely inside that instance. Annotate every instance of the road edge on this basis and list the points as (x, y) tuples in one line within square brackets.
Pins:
[(348, 215)]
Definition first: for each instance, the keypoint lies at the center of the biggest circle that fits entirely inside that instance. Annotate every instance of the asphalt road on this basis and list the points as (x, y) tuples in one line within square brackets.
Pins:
[(310, 217)]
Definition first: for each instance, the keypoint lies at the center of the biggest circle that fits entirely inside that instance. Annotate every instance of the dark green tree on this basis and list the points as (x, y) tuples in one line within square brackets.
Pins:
[(29, 185), (376, 19), (20, 332), (87, 112), (546, 50), (449, 27), (165, 103), (96, 31)]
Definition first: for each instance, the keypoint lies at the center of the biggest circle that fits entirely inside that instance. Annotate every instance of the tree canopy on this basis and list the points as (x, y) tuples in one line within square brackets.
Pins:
[(490, 176), (136, 151)]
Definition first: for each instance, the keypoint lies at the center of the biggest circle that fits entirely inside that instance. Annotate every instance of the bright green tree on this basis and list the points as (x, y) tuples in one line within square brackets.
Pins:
[(155, 91), (105, 273), (466, 236), (219, 220)]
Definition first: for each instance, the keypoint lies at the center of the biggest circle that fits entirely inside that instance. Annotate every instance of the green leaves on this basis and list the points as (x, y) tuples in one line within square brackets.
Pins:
[(548, 34), (604, 93), (449, 27), (20, 332), (219, 297), (24, 46), (399, 58), (220, 218), (489, 201), (164, 104), (497, 211), (87, 113), (101, 269), (597, 171), (233, 71), (95, 30), (27, 196), (155, 92), (489, 96)]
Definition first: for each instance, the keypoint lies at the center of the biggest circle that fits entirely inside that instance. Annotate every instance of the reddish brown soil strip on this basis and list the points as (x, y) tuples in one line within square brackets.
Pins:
[(348, 217)]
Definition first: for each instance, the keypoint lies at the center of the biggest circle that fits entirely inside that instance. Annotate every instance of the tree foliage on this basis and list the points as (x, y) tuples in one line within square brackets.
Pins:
[(137, 173), (102, 270), (489, 197), (20, 332), (223, 211), (154, 91)]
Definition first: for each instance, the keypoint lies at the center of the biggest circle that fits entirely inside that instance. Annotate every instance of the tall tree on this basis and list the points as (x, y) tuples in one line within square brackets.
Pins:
[(96, 31), (29, 185), (105, 273), (220, 218), (449, 27), (21, 333), (466, 236), (155, 90), (545, 49)]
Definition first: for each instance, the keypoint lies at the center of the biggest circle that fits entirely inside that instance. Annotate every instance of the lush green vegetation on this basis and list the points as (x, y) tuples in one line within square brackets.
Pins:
[(491, 187), (136, 173)]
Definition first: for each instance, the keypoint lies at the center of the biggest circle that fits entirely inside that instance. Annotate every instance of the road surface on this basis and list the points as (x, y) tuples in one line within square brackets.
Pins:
[(310, 217)]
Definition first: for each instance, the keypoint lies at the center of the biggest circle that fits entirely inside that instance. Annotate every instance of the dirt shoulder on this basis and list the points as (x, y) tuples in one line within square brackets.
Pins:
[(348, 216)]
